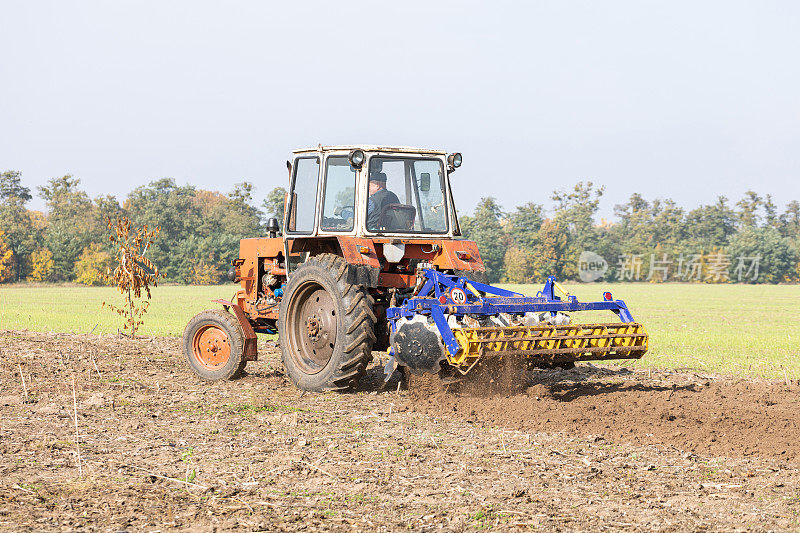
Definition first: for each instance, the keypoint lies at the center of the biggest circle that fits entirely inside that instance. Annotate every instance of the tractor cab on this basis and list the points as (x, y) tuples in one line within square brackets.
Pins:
[(368, 191)]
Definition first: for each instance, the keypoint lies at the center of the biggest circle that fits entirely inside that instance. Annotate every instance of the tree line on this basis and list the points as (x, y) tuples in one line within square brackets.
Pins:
[(200, 229), (651, 240)]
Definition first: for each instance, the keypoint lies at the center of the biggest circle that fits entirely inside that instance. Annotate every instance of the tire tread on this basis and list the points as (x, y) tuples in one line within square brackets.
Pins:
[(359, 327)]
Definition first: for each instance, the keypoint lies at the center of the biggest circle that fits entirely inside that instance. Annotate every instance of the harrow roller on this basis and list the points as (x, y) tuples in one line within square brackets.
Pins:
[(551, 344)]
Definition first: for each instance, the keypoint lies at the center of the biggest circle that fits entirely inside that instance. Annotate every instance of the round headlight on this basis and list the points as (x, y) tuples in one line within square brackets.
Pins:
[(357, 158), (454, 160)]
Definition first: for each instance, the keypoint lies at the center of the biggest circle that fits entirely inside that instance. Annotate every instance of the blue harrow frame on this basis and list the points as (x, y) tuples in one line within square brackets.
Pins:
[(435, 299)]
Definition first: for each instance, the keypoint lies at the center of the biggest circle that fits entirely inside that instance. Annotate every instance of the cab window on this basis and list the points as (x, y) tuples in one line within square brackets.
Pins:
[(304, 195), (406, 195), (338, 207)]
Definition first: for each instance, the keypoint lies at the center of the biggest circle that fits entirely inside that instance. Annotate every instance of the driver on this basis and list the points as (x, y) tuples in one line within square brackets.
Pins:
[(379, 197)]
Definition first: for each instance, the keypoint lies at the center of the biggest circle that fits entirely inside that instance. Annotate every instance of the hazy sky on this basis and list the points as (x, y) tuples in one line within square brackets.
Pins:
[(686, 100)]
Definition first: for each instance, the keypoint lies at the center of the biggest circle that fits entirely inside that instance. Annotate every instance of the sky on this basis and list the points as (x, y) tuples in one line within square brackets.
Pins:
[(683, 100)]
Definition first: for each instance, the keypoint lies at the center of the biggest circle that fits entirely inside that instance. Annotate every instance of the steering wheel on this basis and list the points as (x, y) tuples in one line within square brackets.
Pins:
[(347, 212)]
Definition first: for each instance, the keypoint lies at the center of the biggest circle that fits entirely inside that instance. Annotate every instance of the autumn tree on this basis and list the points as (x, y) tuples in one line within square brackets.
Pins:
[(133, 272), (6, 259), (41, 263), (23, 236), (92, 265)]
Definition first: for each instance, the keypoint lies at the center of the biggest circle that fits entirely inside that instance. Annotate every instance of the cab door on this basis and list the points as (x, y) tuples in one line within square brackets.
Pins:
[(302, 209)]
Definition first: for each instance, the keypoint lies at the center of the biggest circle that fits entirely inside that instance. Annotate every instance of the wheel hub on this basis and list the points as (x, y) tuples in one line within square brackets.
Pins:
[(211, 347), (313, 329)]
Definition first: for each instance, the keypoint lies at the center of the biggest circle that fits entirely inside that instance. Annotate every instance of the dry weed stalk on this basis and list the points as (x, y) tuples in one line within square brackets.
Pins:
[(77, 435), (24, 387), (134, 272)]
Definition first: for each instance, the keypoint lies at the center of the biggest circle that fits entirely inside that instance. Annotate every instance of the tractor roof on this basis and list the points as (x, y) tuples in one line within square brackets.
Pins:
[(373, 148)]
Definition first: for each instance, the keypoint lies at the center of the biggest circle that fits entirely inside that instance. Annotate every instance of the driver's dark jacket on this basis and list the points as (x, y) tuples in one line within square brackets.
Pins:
[(376, 204)]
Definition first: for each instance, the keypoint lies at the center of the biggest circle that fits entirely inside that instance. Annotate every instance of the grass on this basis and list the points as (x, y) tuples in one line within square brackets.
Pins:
[(77, 309), (741, 329)]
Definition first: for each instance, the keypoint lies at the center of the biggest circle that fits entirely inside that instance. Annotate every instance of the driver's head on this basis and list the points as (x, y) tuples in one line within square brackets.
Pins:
[(377, 182)]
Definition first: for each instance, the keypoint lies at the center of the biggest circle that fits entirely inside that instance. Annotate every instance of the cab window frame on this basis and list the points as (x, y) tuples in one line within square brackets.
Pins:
[(445, 192), (293, 195), (323, 193)]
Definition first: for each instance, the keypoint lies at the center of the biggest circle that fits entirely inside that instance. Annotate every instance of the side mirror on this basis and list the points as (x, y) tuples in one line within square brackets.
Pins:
[(425, 182)]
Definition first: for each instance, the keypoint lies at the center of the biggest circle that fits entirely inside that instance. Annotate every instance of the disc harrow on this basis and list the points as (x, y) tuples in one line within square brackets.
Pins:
[(460, 322)]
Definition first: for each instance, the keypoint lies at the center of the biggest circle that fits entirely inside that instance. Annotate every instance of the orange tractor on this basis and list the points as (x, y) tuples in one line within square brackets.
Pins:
[(372, 258)]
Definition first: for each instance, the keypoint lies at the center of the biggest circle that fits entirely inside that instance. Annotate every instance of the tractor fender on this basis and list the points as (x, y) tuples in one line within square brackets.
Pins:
[(364, 266), (250, 339)]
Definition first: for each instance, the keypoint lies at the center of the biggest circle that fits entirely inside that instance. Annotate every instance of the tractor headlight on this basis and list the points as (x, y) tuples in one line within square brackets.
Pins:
[(454, 160), (356, 158)]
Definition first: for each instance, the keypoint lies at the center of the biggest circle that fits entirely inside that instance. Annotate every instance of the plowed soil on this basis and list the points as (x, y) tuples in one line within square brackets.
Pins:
[(700, 413), (593, 448)]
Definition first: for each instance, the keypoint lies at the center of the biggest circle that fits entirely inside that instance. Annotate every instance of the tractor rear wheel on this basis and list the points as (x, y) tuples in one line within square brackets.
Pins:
[(213, 343), (326, 326)]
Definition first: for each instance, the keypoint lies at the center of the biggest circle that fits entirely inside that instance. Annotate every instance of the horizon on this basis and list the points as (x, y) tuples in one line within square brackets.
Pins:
[(257, 201)]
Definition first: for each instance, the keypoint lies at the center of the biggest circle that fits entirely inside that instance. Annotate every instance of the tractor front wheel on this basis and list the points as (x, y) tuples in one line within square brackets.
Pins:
[(326, 326), (213, 343)]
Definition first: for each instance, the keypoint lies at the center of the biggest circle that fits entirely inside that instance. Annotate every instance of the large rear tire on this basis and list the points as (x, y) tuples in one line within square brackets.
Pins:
[(213, 344), (326, 326)]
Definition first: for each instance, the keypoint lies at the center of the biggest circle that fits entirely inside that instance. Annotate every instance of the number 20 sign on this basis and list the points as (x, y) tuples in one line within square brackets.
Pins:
[(458, 296)]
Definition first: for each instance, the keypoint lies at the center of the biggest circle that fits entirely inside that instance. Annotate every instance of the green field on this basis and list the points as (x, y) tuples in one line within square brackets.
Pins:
[(78, 309), (743, 329)]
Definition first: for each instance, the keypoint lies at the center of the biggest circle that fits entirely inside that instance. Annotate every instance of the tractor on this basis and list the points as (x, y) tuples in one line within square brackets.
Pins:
[(370, 257)]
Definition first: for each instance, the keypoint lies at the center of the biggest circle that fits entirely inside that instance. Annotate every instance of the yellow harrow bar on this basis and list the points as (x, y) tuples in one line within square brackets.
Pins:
[(550, 344)]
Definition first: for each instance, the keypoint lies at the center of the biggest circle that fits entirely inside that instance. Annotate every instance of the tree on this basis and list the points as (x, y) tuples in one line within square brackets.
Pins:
[(274, 204), (546, 256), (748, 209), (710, 226), (173, 208), (225, 221), (92, 266), (41, 265), (22, 235), (524, 223), (518, 266), (204, 274), (133, 272), (72, 223), (789, 221), (777, 259), (486, 230), (11, 188), (6, 259), (574, 215)]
